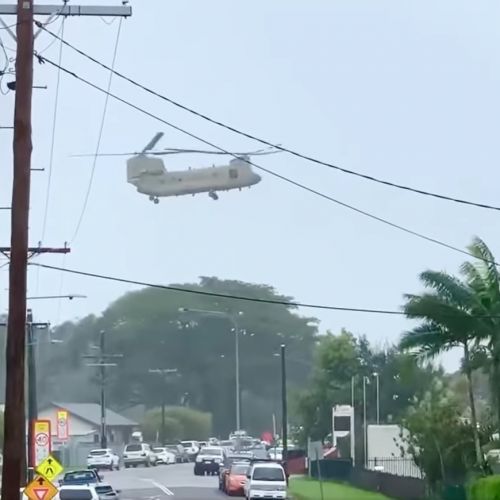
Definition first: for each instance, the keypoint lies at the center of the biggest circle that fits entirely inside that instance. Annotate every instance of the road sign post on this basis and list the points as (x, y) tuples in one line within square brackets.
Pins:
[(40, 489), (62, 425), (41, 446), (50, 468)]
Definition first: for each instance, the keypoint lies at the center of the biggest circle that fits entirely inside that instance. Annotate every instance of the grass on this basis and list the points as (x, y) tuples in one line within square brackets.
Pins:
[(309, 489)]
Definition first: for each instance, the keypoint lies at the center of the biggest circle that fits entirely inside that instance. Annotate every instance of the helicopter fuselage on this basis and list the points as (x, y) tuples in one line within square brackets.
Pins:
[(150, 177)]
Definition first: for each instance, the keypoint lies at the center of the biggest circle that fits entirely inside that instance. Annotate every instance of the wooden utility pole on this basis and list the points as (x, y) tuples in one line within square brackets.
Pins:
[(14, 452), (14, 419)]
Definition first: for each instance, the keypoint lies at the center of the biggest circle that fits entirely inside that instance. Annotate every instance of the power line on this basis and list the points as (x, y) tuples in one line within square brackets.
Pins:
[(101, 129), (276, 146), (270, 172), (193, 291)]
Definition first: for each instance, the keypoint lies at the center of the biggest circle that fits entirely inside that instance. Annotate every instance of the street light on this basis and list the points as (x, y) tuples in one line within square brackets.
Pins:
[(377, 376), (236, 328)]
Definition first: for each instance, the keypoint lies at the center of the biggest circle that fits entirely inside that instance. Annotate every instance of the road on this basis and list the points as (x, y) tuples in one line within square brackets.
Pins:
[(163, 482)]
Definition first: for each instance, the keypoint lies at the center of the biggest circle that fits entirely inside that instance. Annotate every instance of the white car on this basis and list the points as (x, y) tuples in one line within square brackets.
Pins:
[(84, 492), (265, 480), (192, 448), (164, 455), (136, 454), (103, 458)]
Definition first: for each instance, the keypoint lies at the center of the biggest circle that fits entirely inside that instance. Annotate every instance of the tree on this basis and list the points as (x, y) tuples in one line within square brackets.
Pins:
[(438, 438), (448, 318), (148, 329), (484, 278)]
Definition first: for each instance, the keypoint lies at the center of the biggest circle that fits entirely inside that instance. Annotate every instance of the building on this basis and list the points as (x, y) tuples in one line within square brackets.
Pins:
[(84, 429)]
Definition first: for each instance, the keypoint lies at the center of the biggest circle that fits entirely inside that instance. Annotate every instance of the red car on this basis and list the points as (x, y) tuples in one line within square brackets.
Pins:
[(235, 479)]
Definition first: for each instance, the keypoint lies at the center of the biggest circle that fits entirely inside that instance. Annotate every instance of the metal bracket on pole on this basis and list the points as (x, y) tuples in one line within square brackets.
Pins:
[(72, 10)]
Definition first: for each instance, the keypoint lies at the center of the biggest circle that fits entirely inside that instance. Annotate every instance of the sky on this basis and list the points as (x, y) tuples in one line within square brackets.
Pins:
[(404, 91)]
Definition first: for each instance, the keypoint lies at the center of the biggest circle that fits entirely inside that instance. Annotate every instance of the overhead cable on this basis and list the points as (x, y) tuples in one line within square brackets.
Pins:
[(193, 291), (276, 146), (101, 129), (270, 172)]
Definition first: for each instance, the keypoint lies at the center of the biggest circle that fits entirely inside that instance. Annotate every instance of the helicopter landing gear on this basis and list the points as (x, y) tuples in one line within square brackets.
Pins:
[(154, 199), (213, 195)]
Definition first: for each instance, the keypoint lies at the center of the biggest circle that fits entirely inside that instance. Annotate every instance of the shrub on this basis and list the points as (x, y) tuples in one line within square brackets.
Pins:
[(486, 488)]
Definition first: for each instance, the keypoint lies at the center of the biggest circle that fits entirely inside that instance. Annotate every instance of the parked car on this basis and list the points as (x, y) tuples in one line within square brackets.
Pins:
[(103, 458), (164, 455), (192, 449), (181, 455), (136, 454), (229, 460), (265, 480), (208, 461)]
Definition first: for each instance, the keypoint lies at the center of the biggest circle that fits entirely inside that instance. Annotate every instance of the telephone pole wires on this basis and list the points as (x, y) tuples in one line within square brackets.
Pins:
[(102, 360)]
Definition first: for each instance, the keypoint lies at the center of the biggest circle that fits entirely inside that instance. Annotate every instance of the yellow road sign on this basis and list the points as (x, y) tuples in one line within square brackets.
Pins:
[(50, 468), (40, 489)]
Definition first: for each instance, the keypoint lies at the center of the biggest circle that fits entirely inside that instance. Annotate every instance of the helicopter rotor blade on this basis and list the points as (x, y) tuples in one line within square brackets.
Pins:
[(153, 142)]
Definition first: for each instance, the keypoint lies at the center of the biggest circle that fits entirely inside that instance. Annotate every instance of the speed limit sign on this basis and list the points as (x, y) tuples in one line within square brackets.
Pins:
[(62, 425), (41, 446)]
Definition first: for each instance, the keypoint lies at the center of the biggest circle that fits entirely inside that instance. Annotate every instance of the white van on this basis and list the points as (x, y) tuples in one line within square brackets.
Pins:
[(266, 480)]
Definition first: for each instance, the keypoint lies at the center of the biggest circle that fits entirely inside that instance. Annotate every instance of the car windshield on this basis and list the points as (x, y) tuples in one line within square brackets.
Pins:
[(133, 447), (239, 469), (211, 451), (226, 443), (98, 453), (79, 476), (268, 474), (74, 494), (101, 490), (171, 447)]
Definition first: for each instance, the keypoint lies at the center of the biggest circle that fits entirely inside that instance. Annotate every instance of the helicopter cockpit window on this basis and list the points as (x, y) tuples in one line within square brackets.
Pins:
[(233, 173)]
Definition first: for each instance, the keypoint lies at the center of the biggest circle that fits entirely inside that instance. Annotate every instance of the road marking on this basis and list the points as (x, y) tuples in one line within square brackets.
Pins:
[(163, 488), (160, 486)]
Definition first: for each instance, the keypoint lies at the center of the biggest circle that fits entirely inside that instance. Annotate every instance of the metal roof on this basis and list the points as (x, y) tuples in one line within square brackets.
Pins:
[(91, 412)]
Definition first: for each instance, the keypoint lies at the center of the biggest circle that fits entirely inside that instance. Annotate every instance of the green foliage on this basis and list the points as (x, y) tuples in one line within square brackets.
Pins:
[(339, 358), (180, 423), (438, 439), (148, 329), (486, 488)]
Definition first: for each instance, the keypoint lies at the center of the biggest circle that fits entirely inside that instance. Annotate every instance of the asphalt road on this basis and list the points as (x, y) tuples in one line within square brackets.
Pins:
[(163, 482)]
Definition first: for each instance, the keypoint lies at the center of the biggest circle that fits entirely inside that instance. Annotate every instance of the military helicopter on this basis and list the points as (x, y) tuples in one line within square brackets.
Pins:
[(150, 177)]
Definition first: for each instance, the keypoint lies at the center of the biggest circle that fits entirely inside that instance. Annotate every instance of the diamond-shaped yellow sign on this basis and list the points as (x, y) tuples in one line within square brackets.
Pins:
[(50, 468), (40, 489)]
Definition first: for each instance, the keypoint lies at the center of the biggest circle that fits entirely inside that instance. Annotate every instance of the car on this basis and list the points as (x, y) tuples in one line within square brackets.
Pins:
[(202, 444), (208, 461), (136, 454), (230, 459), (103, 458), (81, 476), (180, 453), (265, 479), (192, 448), (88, 492), (234, 480), (164, 455)]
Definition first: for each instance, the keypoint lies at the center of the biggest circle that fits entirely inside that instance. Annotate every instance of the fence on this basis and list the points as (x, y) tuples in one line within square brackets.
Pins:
[(397, 466)]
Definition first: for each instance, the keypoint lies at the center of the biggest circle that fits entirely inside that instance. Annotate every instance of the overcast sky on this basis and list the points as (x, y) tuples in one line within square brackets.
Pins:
[(406, 91)]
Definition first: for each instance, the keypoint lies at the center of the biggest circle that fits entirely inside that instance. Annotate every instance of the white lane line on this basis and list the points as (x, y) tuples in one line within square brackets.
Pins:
[(162, 488)]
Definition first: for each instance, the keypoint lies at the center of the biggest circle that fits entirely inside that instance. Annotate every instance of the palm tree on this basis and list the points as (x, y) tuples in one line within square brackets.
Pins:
[(449, 321), (484, 278)]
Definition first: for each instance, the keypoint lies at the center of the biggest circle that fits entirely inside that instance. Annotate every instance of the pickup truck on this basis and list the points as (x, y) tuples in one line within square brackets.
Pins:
[(83, 476)]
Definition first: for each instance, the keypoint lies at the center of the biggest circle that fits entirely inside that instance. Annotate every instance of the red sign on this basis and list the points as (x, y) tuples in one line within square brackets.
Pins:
[(267, 437), (41, 445)]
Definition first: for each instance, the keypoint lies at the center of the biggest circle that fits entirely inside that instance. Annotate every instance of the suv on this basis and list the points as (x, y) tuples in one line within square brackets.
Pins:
[(180, 453), (103, 458), (135, 454), (266, 480), (192, 448), (88, 492), (208, 461)]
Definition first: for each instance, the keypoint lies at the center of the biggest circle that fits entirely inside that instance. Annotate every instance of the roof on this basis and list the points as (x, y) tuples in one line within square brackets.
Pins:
[(91, 412)]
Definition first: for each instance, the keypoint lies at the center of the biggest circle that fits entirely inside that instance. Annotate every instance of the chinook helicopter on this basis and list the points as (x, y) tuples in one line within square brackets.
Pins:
[(150, 177)]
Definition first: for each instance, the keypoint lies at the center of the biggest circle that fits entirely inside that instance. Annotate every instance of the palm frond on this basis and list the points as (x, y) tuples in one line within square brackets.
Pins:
[(428, 340), (450, 288), (487, 267)]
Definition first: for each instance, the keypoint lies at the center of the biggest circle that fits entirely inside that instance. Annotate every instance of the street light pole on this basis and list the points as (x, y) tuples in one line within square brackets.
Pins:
[(364, 422), (376, 375), (236, 328), (284, 410)]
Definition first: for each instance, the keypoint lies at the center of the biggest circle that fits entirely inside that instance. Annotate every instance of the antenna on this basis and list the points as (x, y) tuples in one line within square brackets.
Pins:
[(152, 143)]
